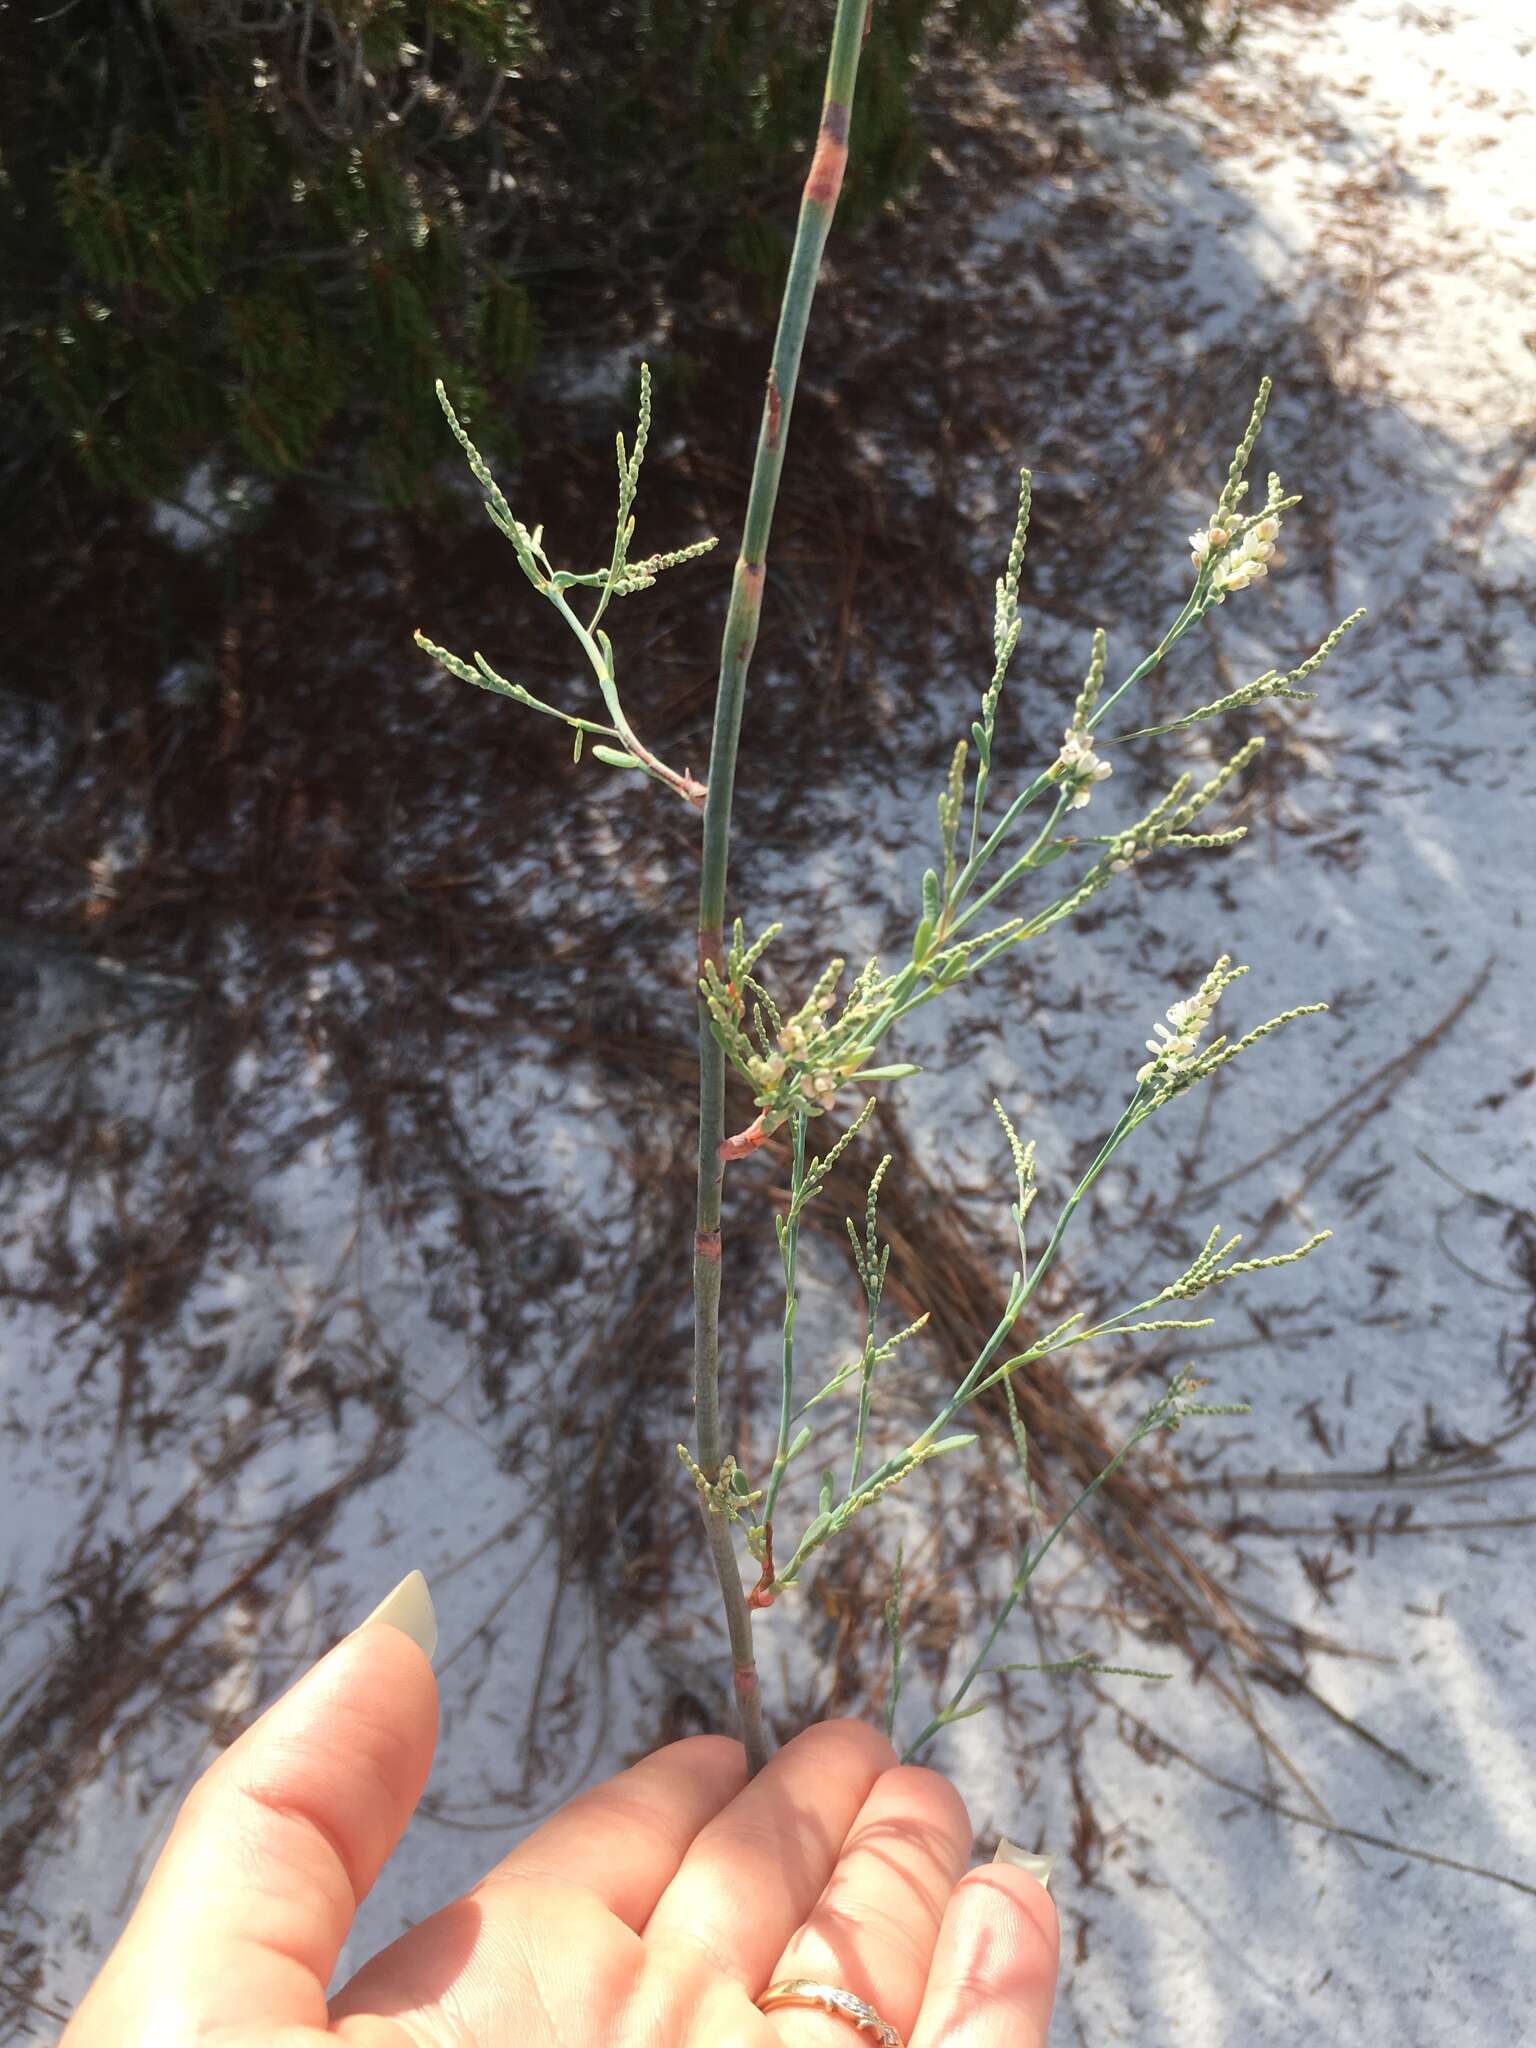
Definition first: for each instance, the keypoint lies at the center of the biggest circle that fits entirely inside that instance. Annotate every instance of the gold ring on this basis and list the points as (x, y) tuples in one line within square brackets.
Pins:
[(832, 1998)]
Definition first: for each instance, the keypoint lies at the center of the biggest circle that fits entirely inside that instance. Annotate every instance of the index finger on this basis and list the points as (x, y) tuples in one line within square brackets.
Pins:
[(623, 1840), (246, 1910)]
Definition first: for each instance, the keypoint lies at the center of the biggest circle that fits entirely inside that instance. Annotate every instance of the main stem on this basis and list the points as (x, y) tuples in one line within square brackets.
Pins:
[(817, 206)]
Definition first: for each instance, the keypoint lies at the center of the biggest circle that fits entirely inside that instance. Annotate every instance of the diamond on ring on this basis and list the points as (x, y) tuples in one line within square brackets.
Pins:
[(832, 1998)]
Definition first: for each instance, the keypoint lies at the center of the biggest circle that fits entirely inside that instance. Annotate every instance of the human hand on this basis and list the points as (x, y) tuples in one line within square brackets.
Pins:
[(650, 1912)]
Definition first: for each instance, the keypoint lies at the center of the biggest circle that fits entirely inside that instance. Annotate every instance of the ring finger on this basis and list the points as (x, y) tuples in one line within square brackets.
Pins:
[(874, 1929)]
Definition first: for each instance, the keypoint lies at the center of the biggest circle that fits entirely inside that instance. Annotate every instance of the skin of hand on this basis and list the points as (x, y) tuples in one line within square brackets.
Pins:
[(649, 1912)]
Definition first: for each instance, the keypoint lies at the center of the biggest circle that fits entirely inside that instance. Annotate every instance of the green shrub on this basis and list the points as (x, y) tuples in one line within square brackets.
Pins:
[(257, 231)]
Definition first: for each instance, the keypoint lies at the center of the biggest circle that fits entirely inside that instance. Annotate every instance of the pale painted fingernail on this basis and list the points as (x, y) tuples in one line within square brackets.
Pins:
[(1038, 1866), (409, 1608)]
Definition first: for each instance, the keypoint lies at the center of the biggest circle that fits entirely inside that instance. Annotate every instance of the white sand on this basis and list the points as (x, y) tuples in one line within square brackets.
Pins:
[(1367, 167)]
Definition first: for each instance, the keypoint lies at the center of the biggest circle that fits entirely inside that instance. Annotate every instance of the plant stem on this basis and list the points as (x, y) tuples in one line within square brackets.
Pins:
[(600, 656), (1026, 1571), (1019, 1296), (1020, 867), (866, 1392), (1187, 617), (817, 206), (789, 1249)]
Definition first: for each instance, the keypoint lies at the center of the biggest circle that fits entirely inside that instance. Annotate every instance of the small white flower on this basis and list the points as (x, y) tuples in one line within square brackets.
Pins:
[(1248, 561), (1214, 536), (1178, 1040), (1078, 763), (1238, 574)]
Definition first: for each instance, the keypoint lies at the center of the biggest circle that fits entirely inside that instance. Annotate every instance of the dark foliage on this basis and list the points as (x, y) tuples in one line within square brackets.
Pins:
[(254, 231)]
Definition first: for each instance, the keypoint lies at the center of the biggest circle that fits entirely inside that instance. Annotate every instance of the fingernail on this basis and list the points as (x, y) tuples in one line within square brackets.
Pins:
[(409, 1608), (1038, 1866)]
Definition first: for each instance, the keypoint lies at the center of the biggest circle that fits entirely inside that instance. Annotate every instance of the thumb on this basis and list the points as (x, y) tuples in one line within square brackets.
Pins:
[(277, 1843)]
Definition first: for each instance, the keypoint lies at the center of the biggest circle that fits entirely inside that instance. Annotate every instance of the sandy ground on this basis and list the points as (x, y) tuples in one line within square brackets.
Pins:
[(1356, 179), (1368, 166)]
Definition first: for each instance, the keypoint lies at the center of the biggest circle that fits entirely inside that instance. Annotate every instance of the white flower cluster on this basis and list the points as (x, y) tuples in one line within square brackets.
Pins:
[(1079, 764), (1247, 562), (1179, 1039), (799, 1041)]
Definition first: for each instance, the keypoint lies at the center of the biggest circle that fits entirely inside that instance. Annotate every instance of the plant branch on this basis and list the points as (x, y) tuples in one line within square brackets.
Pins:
[(789, 1245), (817, 205), (1156, 1418)]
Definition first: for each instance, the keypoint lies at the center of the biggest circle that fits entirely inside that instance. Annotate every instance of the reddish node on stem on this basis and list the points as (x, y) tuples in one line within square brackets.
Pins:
[(746, 1684), (831, 158), (745, 1141), (709, 948), (762, 1594), (706, 1245)]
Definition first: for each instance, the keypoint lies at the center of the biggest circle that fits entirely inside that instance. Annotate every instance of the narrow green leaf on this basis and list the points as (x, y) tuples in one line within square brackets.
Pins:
[(616, 758), (931, 897), (921, 938)]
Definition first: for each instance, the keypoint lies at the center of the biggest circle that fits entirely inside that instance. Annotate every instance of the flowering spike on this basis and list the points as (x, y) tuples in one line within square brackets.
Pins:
[(1233, 489), (1093, 682)]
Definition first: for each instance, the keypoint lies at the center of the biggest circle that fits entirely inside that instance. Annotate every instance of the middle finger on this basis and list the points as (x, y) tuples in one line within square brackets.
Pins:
[(756, 1870), (874, 1928)]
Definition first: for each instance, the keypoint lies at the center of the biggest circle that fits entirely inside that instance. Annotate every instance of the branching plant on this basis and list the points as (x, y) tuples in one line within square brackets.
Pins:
[(976, 905)]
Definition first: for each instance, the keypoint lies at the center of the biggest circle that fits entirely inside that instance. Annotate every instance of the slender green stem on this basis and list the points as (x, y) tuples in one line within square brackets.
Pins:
[(989, 1351), (1026, 1571), (980, 855), (817, 206), (866, 1385), (1124, 1125), (1192, 611), (901, 998), (599, 653), (1020, 867), (1019, 1297), (788, 1250), (997, 835)]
